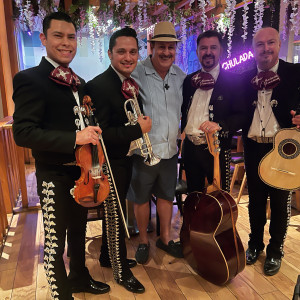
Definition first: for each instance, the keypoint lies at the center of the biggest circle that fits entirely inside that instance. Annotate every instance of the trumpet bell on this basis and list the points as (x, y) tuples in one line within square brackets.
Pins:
[(151, 160)]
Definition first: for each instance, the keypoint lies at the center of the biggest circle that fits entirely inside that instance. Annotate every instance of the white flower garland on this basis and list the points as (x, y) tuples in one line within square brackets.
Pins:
[(258, 14), (140, 11), (294, 18), (191, 2), (127, 7), (117, 4), (99, 30), (92, 22), (245, 20), (82, 18), (230, 12), (203, 16), (21, 16), (145, 13), (222, 23), (183, 40), (28, 15)]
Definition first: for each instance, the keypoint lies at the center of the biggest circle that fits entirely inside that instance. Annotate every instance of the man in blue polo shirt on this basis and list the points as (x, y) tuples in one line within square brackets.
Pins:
[(160, 83)]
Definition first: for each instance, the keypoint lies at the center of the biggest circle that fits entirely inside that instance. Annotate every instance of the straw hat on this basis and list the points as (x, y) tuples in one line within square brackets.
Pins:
[(164, 32)]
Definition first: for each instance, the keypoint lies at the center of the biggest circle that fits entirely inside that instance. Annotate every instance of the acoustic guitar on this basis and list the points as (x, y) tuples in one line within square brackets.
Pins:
[(211, 244), (280, 168)]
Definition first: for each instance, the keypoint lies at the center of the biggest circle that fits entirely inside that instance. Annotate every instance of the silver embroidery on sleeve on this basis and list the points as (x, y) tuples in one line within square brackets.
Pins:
[(289, 212), (227, 154), (50, 237), (112, 227)]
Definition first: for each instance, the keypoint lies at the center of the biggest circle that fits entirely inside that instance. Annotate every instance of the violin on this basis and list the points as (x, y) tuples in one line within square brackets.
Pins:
[(92, 188)]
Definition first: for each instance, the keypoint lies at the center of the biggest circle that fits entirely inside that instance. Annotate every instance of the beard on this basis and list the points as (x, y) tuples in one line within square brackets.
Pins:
[(208, 64)]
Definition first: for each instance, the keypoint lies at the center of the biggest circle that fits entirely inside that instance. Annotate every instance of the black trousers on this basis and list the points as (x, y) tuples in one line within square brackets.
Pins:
[(113, 247), (199, 163), (62, 214), (280, 203)]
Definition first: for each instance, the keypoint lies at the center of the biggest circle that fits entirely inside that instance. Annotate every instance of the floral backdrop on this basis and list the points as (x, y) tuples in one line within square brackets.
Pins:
[(97, 22)]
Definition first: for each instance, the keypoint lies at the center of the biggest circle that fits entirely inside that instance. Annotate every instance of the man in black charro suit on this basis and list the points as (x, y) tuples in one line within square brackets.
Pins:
[(270, 107), (46, 120), (212, 100), (106, 93)]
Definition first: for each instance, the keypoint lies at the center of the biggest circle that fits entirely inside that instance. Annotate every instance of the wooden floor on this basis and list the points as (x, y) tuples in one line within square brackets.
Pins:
[(22, 275)]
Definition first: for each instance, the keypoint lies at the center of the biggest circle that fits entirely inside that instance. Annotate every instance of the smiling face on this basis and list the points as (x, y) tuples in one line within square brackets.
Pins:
[(266, 46), (124, 55), (60, 42), (163, 55), (209, 51)]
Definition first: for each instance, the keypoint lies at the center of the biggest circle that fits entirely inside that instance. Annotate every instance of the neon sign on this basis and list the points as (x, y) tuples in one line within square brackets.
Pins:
[(237, 60)]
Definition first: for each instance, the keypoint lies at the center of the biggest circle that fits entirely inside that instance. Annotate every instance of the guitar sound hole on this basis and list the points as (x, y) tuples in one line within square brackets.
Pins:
[(289, 149)]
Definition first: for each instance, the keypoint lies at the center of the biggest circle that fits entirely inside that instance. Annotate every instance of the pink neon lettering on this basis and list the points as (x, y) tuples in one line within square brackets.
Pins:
[(234, 62)]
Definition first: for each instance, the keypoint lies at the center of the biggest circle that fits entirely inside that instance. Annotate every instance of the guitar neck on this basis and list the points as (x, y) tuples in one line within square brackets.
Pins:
[(217, 175), (213, 146)]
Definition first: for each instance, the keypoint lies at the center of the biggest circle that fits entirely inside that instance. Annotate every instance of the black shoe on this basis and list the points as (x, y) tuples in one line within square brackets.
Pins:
[(272, 266), (252, 256), (142, 253), (172, 248), (132, 285), (131, 263), (92, 287)]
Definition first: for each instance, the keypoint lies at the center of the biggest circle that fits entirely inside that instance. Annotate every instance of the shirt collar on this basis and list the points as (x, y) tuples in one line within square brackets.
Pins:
[(273, 69), (214, 72), (52, 62), (149, 69), (121, 76)]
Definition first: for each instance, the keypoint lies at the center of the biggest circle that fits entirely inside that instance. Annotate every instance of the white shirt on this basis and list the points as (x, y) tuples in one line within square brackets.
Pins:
[(199, 110), (76, 96), (122, 77), (264, 122)]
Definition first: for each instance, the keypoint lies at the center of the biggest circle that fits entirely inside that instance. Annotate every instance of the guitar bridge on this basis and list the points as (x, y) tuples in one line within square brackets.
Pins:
[(283, 171)]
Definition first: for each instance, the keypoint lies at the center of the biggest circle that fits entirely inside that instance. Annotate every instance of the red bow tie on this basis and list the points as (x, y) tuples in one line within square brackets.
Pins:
[(130, 88), (203, 81), (265, 80), (65, 76)]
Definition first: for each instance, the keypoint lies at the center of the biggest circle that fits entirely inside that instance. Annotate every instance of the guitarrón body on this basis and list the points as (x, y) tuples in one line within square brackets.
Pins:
[(280, 168), (211, 240), (211, 244)]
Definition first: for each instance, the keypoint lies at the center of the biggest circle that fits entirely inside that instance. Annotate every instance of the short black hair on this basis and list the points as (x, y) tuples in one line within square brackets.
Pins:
[(126, 31), (61, 16), (209, 34)]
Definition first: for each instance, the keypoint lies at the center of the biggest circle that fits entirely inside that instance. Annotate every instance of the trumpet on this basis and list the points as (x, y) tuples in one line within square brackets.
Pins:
[(142, 143)]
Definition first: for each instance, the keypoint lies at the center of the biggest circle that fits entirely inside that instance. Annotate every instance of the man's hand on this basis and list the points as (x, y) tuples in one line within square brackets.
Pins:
[(145, 123), (295, 119), (88, 135), (208, 126)]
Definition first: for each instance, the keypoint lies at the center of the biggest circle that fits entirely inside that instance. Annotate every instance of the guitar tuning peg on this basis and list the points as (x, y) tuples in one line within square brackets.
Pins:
[(77, 123), (75, 110), (72, 192)]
